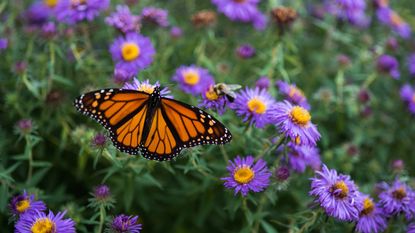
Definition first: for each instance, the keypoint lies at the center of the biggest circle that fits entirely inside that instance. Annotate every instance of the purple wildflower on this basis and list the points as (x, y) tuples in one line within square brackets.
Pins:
[(293, 94), (352, 11), (147, 87), (193, 79), (132, 52), (253, 105), (40, 222), (282, 173), (411, 228), (176, 32), (389, 17), (246, 176), (300, 156), (25, 126), (245, 11), (263, 82), (74, 11), (388, 64), (245, 51), (371, 219), (398, 198), (408, 96), (99, 140), (211, 100), (102, 192), (49, 30), (3, 43), (25, 204), (37, 14), (123, 74), (337, 194), (295, 122), (411, 64), (123, 20), (155, 15), (398, 165), (123, 224)]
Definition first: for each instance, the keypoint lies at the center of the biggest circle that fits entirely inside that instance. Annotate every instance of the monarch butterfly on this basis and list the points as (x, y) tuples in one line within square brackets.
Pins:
[(156, 126)]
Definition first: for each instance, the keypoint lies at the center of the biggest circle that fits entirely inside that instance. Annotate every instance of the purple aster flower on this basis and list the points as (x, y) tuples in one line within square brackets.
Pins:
[(295, 122), (74, 11), (388, 64), (37, 14), (40, 222), (371, 219), (352, 11), (176, 32), (263, 82), (253, 105), (147, 87), (245, 11), (25, 204), (132, 52), (49, 30), (389, 17), (125, 224), (211, 100), (300, 156), (337, 194), (408, 96), (245, 51), (123, 74), (398, 198), (155, 15), (102, 191), (3, 43), (193, 79), (411, 64), (123, 20), (411, 228), (293, 94), (282, 173), (99, 140), (245, 175)]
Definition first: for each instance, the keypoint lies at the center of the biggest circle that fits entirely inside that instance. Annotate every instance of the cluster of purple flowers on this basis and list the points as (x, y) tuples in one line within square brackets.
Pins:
[(338, 195), (352, 11), (389, 17)]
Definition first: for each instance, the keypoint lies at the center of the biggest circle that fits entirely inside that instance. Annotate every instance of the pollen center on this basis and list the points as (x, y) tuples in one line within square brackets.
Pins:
[(211, 94), (22, 205), (256, 105), (43, 225), (399, 193), (130, 51), (50, 3), (340, 189), (368, 206), (149, 89), (243, 175), (191, 77), (300, 116), (396, 19), (295, 92)]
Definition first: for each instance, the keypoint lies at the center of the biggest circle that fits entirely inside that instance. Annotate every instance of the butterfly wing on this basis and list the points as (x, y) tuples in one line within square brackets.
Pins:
[(176, 126), (121, 112)]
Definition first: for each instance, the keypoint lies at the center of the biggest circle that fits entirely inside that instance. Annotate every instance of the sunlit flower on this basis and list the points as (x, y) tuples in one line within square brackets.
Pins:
[(253, 105), (25, 204), (74, 11), (389, 17), (398, 198), (245, 175), (123, 20), (39, 222), (389, 65), (193, 79), (132, 52), (155, 15), (211, 100), (295, 122), (124, 224), (371, 219), (293, 94), (147, 87), (337, 194), (408, 96)]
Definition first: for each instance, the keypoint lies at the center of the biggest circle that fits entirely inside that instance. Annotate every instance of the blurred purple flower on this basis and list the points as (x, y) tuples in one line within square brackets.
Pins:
[(25, 204), (245, 175), (337, 194), (389, 17), (253, 105), (49, 30), (99, 140), (245, 51), (388, 64), (132, 52), (352, 11), (3, 43), (282, 173), (300, 156), (211, 100), (411, 228), (263, 82), (25, 126), (147, 87), (37, 14), (40, 222), (123, 20), (74, 11), (371, 219), (125, 224), (123, 74), (102, 192), (193, 79), (293, 94), (408, 96), (295, 122), (392, 43), (398, 198), (176, 32), (398, 165), (155, 15), (411, 64)]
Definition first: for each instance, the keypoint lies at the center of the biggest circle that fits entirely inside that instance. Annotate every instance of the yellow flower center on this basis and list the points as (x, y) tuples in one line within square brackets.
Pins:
[(211, 94), (147, 88), (77, 2), (43, 225), (297, 140), (300, 116), (191, 77), (295, 91), (22, 205), (368, 206), (50, 3), (396, 19), (243, 175), (399, 193), (130, 51), (256, 105), (344, 190)]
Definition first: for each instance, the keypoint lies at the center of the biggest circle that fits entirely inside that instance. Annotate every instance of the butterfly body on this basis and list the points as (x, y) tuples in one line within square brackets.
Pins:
[(155, 126)]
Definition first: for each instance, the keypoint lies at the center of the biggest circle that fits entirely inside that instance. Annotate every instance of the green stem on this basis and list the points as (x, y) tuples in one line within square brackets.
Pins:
[(262, 202), (101, 218), (30, 158), (51, 67)]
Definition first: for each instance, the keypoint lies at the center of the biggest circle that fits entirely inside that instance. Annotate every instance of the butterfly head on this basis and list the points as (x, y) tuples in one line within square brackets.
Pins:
[(156, 91)]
